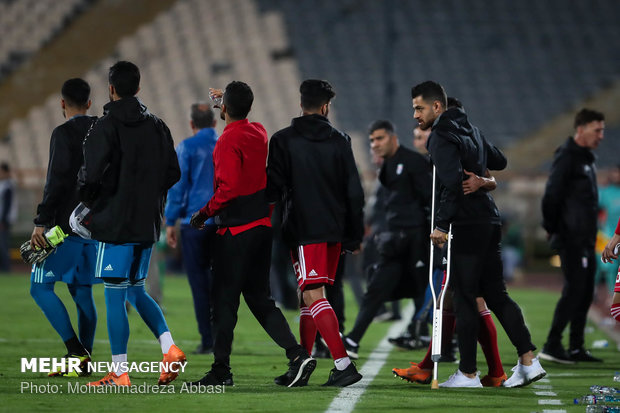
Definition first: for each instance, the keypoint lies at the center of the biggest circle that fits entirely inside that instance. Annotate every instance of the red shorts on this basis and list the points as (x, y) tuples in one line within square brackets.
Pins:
[(617, 287), (316, 263)]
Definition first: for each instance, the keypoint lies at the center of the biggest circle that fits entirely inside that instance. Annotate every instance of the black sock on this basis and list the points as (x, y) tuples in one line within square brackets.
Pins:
[(75, 347)]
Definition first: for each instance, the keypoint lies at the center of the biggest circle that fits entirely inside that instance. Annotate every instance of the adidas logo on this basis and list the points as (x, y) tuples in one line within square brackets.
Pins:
[(313, 273), (444, 261), (108, 268), (419, 264), (49, 274)]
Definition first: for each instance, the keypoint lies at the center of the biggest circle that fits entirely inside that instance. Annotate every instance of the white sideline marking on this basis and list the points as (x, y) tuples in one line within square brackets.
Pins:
[(542, 386), (553, 401), (554, 411), (563, 374), (347, 398), (543, 381), (545, 393)]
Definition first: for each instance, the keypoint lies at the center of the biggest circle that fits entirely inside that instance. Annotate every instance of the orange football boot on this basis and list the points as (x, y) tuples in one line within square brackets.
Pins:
[(174, 355)]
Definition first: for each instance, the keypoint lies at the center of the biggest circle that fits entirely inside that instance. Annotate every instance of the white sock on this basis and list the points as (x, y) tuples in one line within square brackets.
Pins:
[(166, 341), (342, 363), (120, 361)]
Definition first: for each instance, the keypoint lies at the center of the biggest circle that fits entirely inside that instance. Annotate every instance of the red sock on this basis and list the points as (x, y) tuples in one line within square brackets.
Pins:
[(327, 324), (307, 329), (615, 311), (447, 332), (487, 337), (426, 362)]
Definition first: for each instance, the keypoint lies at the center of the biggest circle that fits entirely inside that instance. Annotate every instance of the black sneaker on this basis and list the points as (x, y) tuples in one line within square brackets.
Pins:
[(583, 355), (352, 349), (214, 379), (342, 378), (406, 342), (298, 374), (557, 354)]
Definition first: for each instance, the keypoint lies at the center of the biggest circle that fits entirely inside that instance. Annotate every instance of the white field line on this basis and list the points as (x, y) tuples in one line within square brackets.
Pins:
[(347, 398)]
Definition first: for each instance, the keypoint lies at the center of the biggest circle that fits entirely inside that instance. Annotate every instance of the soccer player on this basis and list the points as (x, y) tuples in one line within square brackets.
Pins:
[(242, 252), (129, 165), (609, 254), (454, 147), (311, 169), (487, 334), (191, 193), (74, 260)]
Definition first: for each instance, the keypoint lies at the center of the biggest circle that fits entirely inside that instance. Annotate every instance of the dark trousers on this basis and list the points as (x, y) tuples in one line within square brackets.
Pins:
[(402, 271), (579, 267), (477, 270), (197, 254), (5, 261), (241, 266)]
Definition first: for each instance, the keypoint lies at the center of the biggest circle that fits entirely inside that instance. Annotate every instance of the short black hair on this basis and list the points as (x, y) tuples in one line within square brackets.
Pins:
[(315, 93), (382, 124), (75, 92), (238, 98), (454, 103), (585, 116), (202, 115), (430, 91), (125, 77)]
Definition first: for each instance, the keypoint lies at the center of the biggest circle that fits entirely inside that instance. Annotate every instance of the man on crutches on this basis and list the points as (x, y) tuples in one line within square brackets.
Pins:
[(471, 224)]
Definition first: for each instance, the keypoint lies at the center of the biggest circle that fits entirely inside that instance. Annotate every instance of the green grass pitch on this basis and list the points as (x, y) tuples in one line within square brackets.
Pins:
[(256, 360)]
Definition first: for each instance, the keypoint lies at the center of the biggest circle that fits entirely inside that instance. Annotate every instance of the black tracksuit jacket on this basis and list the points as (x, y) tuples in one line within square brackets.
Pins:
[(311, 169), (60, 195), (455, 145), (570, 202), (129, 165), (407, 176)]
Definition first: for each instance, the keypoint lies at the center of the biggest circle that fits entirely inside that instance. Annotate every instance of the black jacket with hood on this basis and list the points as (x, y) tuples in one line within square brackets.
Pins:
[(456, 145), (311, 169), (129, 165), (60, 195), (570, 203)]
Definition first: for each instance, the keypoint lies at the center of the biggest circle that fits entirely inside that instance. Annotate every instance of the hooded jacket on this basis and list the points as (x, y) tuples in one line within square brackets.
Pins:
[(455, 145), (311, 169), (570, 202), (60, 195), (129, 165)]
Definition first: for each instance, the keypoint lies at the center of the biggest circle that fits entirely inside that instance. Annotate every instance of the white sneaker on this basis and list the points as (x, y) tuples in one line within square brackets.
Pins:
[(524, 375), (458, 379)]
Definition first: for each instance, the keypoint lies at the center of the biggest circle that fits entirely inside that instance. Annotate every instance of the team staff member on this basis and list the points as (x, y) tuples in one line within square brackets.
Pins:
[(570, 210), (403, 247), (242, 253), (455, 146), (312, 170), (186, 196)]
